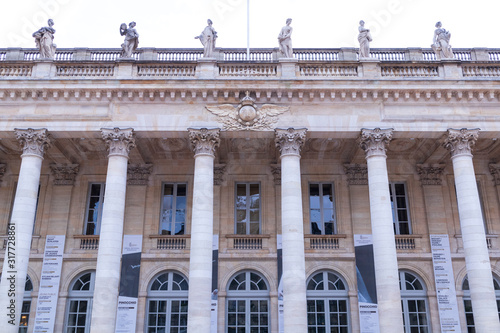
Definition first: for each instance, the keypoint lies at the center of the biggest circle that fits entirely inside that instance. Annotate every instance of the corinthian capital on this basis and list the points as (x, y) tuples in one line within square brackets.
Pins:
[(34, 141), (461, 141), (118, 141), (204, 140), (290, 141), (374, 141)]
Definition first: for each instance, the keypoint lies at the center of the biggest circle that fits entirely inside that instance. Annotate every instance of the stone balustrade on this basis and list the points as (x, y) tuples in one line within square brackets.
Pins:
[(312, 64)]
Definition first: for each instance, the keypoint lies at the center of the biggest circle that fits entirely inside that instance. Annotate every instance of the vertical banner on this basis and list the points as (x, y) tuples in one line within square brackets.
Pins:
[(50, 278), (126, 314), (367, 289), (215, 291), (281, 327), (445, 284)]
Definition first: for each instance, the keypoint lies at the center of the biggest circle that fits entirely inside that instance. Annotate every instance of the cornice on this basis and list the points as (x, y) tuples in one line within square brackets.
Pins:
[(182, 93)]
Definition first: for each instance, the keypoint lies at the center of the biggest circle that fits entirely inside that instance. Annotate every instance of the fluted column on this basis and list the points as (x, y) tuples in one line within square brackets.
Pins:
[(204, 142), (460, 143), (17, 250), (107, 279), (374, 142), (289, 142)]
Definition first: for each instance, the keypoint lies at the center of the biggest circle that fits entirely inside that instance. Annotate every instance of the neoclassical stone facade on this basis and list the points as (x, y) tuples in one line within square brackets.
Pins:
[(247, 182)]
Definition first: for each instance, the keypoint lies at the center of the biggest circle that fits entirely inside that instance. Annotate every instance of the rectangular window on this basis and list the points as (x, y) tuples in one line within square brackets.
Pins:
[(247, 209), (322, 209), (400, 209), (94, 209), (25, 316), (173, 209)]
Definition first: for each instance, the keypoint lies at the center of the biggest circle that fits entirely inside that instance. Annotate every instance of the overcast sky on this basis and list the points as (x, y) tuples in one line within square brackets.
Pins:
[(316, 23)]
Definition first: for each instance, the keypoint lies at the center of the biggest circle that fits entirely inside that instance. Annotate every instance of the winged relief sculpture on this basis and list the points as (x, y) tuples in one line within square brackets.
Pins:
[(246, 116)]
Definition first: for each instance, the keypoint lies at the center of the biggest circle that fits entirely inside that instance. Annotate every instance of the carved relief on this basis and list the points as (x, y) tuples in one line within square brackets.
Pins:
[(461, 141), (118, 141), (290, 141), (204, 141), (246, 116), (219, 170), (430, 174), (276, 171), (3, 168), (64, 174), (138, 174), (375, 141), (33, 141), (356, 174), (495, 172)]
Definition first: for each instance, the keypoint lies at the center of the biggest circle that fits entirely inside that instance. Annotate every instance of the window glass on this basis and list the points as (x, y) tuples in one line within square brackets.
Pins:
[(173, 209), (247, 209), (322, 209)]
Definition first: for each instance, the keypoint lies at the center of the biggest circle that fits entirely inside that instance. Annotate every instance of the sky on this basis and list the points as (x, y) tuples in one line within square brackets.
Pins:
[(316, 23)]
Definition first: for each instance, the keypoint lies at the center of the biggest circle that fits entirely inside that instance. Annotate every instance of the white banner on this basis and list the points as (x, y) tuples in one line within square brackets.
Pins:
[(49, 284), (445, 284), (126, 312)]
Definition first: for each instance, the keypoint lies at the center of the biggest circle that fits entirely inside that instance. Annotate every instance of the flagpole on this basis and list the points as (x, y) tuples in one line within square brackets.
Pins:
[(248, 29)]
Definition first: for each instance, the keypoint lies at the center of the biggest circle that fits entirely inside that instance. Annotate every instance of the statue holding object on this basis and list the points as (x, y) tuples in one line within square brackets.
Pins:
[(131, 39), (441, 44), (208, 37), (364, 39)]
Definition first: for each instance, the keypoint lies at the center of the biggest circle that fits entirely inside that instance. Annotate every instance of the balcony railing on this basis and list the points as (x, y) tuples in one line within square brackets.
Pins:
[(325, 242), (310, 64), (408, 242), (247, 242), (88, 242), (171, 242)]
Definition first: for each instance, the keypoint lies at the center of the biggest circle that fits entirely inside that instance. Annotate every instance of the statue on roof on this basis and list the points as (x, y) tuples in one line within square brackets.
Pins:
[(208, 37), (441, 43), (44, 40), (131, 41), (285, 40), (364, 39)]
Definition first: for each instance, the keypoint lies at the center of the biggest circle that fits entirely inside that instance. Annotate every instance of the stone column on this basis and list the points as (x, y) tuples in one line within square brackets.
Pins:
[(204, 142), (17, 250), (374, 142), (107, 279), (477, 260), (289, 142)]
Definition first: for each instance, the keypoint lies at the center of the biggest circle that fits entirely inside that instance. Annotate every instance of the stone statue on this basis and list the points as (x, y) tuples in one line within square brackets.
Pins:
[(44, 40), (208, 37), (364, 39), (285, 40), (131, 39), (441, 44)]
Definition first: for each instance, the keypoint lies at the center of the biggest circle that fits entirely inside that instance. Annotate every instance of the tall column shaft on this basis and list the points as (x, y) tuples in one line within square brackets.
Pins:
[(384, 247), (17, 250), (290, 142), (200, 264), (107, 279), (477, 259)]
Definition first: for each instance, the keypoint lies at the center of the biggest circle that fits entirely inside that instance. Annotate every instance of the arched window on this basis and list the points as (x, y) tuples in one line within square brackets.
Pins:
[(247, 304), (414, 303), (167, 305), (26, 308), (469, 317), (327, 304), (79, 305)]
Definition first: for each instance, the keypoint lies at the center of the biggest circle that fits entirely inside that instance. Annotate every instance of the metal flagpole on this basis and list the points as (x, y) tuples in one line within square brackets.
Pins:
[(248, 29)]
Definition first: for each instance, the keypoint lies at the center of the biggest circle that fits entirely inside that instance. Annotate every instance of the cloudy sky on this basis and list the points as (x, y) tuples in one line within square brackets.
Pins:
[(316, 23)]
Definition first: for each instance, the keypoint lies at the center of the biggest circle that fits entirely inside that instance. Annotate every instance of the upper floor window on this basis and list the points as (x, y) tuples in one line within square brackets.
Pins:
[(79, 305), (414, 303), (167, 303), (173, 209), (247, 208), (327, 304), (247, 304), (469, 316), (322, 209), (93, 213), (400, 209)]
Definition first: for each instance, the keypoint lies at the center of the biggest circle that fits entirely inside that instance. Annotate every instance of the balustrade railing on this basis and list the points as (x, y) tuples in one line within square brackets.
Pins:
[(324, 242), (409, 71), (408, 242), (15, 70), (187, 55), (247, 242), (481, 71), (171, 242), (316, 54), (85, 70), (247, 70), (166, 70), (88, 242), (328, 70)]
